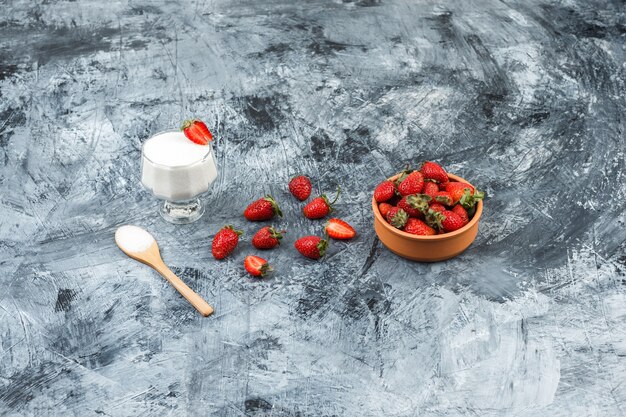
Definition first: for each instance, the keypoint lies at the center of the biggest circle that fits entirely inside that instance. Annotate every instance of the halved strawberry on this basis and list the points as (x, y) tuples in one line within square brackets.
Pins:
[(339, 229), (196, 131), (257, 267)]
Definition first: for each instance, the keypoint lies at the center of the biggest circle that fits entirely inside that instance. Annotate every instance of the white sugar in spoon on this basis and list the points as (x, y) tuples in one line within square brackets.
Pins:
[(141, 246)]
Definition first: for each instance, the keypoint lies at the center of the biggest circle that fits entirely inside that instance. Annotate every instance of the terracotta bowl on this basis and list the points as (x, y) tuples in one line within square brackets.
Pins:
[(426, 248)]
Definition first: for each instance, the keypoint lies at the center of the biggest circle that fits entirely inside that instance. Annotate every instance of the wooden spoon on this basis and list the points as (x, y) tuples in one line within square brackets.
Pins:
[(141, 246)]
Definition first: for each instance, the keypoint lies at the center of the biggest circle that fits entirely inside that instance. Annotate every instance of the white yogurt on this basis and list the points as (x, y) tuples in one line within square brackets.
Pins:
[(133, 238), (176, 169)]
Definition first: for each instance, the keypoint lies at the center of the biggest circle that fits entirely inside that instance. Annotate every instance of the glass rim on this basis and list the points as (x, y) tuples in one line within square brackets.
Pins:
[(203, 159)]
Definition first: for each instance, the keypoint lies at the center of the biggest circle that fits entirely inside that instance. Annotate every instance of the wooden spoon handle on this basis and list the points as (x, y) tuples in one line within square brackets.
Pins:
[(190, 295)]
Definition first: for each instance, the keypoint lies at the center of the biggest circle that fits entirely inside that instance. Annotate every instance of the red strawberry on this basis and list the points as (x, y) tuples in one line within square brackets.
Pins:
[(262, 209), (196, 131), (225, 242), (457, 189), (397, 217), (406, 207), (410, 183), (257, 267), (444, 197), (434, 218), (430, 188), (384, 209), (451, 222), (300, 187), (414, 204), (339, 229), (312, 247), (267, 238), (458, 209), (319, 207), (385, 191), (437, 207), (418, 227), (434, 171), (469, 200)]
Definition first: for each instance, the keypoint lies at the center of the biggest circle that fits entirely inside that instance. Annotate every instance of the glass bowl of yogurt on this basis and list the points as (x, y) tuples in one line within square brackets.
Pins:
[(179, 171)]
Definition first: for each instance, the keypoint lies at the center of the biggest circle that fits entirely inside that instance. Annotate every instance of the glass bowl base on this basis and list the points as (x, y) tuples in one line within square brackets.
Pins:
[(182, 212)]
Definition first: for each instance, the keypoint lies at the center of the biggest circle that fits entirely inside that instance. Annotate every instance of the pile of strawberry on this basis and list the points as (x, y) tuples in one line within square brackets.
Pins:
[(426, 202), (268, 237)]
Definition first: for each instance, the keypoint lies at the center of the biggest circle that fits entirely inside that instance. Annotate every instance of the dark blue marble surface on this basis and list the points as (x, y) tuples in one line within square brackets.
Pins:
[(524, 98)]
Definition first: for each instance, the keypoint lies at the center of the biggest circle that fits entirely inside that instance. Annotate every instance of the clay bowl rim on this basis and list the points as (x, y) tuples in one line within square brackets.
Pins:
[(444, 236)]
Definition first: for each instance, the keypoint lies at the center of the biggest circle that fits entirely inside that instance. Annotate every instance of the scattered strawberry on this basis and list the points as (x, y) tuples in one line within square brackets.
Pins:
[(418, 227), (196, 131), (445, 198), (437, 207), (339, 229), (267, 238), (225, 242), (313, 247), (457, 189), (410, 183), (384, 209), (257, 267), (458, 209), (451, 221), (430, 188), (385, 191), (319, 207), (262, 209), (397, 217), (434, 171), (300, 187)]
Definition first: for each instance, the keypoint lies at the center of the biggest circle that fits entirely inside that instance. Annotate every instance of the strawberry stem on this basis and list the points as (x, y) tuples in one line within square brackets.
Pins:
[(276, 234), (274, 204), (434, 218), (187, 123), (230, 226), (337, 196), (323, 245), (265, 268)]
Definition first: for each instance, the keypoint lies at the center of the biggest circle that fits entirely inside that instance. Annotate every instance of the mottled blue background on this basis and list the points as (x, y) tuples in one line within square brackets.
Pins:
[(524, 98)]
